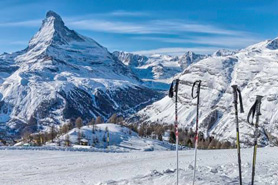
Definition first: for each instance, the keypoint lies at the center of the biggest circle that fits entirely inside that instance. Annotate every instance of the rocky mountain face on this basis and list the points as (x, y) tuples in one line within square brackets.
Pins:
[(254, 69), (157, 70), (63, 75)]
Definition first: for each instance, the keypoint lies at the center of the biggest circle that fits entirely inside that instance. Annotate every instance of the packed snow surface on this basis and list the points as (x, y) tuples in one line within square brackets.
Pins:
[(149, 168)]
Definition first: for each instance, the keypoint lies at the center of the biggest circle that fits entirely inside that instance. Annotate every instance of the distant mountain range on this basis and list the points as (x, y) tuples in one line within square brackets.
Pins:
[(254, 69), (156, 70)]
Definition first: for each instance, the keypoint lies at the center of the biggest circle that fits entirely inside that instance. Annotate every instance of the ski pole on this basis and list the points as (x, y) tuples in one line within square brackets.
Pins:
[(174, 88), (255, 109), (237, 92), (198, 83)]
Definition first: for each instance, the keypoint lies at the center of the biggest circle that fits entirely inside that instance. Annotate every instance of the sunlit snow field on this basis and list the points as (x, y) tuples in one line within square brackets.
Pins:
[(157, 167)]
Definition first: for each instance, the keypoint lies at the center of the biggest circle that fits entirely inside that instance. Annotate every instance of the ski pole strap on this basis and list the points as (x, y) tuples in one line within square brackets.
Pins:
[(240, 101), (198, 82), (252, 113), (255, 109)]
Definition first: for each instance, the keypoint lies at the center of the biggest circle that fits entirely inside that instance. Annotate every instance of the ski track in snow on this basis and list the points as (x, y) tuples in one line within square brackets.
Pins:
[(26, 167)]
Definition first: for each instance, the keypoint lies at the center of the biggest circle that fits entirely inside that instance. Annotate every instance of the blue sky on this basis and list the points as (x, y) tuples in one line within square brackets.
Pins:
[(145, 26)]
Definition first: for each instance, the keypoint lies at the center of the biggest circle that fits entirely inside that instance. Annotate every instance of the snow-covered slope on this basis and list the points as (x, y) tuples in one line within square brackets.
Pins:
[(120, 138), (62, 75), (254, 69), (214, 167), (157, 70)]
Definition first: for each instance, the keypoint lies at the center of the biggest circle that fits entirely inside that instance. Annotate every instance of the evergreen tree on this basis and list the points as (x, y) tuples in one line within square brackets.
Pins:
[(212, 144), (92, 122), (104, 138), (99, 120), (71, 124), (120, 120), (226, 145), (78, 122), (52, 133), (218, 145), (65, 128), (172, 137), (141, 131), (160, 137), (79, 137), (112, 119), (67, 141)]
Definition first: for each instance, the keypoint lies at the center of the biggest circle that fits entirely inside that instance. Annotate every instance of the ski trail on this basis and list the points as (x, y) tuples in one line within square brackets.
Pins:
[(145, 168)]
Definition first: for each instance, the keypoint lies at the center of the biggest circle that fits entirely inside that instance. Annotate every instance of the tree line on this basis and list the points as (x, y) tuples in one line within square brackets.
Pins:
[(156, 131), (186, 136)]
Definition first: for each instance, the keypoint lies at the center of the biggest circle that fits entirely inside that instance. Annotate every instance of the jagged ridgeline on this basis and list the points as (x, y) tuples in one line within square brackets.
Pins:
[(63, 75), (253, 69)]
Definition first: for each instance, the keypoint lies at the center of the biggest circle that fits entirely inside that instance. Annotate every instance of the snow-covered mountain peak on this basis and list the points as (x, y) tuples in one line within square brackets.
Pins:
[(62, 75), (273, 44), (53, 30), (224, 52), (53, 14), (190, 57)]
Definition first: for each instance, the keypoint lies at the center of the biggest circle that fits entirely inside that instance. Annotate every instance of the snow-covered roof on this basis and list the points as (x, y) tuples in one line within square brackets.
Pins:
[(84, 140)]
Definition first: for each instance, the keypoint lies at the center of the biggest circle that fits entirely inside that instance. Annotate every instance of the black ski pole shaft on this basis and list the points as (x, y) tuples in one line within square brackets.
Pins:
[(176, 128), (235, 92), (174, 88), (258, 113), (198, 82)]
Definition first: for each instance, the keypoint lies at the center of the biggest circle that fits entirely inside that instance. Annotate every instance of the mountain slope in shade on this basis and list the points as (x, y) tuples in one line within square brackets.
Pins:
[(63, 75), (254, 69), (157, 70)]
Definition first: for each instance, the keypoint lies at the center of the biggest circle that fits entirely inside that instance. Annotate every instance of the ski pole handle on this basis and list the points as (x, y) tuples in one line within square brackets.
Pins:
[(237, 94), (171, 90), (177, 85)]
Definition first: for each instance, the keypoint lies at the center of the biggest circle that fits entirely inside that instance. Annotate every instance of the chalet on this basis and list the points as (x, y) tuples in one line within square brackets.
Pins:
[(84, 142)]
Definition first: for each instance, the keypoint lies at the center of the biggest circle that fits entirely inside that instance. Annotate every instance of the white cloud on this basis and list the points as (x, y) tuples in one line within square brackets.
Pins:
[(220, 41), (108, 24), (150, 27), (29, 23), (112, 26), (123, 13), (181, 26), (18, 42)]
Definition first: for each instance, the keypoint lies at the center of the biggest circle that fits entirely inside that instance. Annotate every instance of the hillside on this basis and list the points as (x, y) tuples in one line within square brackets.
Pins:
[(254, 69), (120, 138)]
